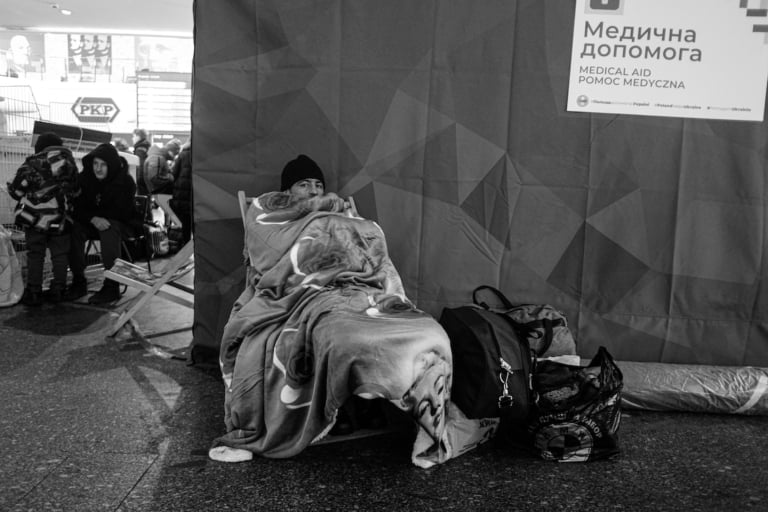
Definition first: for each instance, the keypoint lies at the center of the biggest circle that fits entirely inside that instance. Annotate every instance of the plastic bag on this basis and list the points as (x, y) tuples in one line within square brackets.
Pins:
[(11, 280), (158, 239), (578, 412)]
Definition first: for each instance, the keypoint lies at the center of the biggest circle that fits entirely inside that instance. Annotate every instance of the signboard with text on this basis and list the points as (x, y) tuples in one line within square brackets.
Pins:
[(674, 58)]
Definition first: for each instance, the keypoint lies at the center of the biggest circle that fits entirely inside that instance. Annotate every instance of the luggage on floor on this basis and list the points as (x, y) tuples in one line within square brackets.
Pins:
[(578, 409), (491, 365), (545, 328), (11, 280)]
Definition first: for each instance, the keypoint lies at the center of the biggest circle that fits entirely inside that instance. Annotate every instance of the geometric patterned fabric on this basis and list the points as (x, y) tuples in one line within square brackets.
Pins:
[(446, 121)]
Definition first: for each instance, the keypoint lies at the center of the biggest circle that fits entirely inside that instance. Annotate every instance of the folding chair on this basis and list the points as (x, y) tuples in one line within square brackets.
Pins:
[(164, 201), (244, 202), (151, 284), (137, 237)]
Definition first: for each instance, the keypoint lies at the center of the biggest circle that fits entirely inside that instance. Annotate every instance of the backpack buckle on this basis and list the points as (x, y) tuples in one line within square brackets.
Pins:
[(506, 401)]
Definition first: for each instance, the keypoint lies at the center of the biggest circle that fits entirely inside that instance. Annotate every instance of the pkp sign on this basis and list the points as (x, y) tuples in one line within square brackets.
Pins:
[(95, 110)]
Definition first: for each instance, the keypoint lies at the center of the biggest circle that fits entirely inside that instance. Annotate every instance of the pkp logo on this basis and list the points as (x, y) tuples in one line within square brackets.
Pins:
[(604, 6), (95, 110)]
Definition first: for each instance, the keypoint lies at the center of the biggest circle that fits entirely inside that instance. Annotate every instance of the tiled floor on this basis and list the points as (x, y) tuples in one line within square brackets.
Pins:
[(95, 423)]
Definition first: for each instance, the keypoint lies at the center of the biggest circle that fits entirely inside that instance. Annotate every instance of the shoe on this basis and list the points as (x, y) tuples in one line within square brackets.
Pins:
[(53, 295), (372, 414), (76, 290), (110, 292), (32, 298), (343, 425)]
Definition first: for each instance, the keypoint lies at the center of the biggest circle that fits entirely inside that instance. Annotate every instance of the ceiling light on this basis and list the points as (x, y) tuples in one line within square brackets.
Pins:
[(66, 12)]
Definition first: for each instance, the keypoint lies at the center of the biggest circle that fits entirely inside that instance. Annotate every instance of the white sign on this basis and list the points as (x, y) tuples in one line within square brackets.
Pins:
[(109, 107), (674, 58)]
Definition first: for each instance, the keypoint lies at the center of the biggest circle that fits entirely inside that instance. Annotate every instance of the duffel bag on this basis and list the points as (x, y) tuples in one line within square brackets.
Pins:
[(545, 328), (491, 365)]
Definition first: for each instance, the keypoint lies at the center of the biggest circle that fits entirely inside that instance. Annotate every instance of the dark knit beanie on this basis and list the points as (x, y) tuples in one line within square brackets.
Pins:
[(300, 168), (47, 139)]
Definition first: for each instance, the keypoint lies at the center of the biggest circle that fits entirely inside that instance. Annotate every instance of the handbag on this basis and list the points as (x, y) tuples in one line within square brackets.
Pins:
[(11, 280), (578, 411)]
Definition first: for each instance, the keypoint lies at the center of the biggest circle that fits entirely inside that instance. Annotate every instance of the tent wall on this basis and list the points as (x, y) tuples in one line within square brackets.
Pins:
[(446, 121)]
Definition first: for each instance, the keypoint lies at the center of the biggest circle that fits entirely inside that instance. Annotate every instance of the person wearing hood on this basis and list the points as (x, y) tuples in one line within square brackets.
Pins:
[(181, 202), (157, 175), (140, 148), (103, 211)]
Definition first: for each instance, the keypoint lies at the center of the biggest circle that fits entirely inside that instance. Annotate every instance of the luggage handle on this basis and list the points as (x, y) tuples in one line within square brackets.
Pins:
[(549, 331), (503, 298), (546, 323)]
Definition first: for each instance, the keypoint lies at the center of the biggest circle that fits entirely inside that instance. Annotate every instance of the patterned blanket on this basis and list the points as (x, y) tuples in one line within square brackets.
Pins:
[(323, 317)]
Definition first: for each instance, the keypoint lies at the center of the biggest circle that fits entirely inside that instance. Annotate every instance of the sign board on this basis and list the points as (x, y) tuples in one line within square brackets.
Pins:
[(674, 58), (164, 102), (95, 110), (78, 140)]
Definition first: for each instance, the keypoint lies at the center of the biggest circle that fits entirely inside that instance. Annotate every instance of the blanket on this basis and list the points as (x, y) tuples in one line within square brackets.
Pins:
[(323, 317)]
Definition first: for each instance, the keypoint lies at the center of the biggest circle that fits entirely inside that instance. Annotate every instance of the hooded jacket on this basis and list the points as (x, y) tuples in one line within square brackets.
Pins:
[(182, 179), (112, 197), (157, 170), (140, 149)]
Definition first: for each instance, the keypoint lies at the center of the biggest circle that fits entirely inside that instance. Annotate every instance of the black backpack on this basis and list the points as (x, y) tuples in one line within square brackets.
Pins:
[(492, 365), (44, 186)]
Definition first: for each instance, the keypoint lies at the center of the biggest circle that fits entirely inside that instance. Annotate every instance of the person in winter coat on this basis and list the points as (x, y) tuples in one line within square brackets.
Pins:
[(104, 211), (181, 202), (45, 186), (140, 148), (157, 167)]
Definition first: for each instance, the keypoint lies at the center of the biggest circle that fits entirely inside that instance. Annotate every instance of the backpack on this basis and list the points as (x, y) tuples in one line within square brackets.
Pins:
[(545, 328), (491, 365), (43, 187)]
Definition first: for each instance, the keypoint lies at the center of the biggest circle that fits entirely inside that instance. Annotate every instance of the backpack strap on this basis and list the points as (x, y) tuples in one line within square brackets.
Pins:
[(524, 330), (504, 300), (547, 324)]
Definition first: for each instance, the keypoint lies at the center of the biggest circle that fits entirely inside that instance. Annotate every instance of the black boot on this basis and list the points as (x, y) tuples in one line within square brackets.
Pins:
[(77, 289), (110, 292), (32, 298), (343, 425), (53, 295)]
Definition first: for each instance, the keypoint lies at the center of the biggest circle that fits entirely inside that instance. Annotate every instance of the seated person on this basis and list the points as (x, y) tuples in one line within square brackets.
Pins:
[(323, 318), (103, 211)]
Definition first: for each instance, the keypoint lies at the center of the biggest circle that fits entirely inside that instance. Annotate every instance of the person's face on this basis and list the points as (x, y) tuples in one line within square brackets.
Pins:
[(101, 42), (307, 188), (87, 42), (100, 168)]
